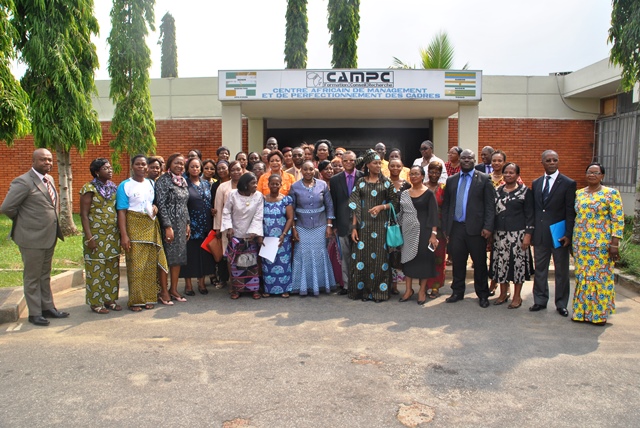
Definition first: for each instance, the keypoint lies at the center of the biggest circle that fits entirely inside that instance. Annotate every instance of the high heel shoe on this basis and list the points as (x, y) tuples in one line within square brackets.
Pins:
[(501, 302), (402, 299)]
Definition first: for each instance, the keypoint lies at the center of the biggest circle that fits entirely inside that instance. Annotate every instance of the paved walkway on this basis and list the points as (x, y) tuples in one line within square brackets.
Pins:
[(320, 362)]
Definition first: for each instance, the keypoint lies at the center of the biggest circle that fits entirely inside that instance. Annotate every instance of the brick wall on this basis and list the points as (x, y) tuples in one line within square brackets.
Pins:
[(171, 136), (524, 140)]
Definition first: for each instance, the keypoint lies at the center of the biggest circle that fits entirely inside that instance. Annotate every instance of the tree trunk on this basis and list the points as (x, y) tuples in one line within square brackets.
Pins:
[(65, 192)]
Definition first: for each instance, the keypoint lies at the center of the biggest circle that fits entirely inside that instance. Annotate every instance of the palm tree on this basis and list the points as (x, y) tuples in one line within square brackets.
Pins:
[(438, 55)]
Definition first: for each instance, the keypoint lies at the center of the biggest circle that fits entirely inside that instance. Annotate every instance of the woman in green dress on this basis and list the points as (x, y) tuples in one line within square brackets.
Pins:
[(101, 238)]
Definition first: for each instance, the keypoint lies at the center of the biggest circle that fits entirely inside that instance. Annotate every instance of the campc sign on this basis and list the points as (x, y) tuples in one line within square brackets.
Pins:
[(432, 85)]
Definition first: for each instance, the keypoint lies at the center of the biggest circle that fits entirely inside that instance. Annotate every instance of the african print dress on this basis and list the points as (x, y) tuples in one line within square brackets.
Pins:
[(243, 214), (172, 196), (371, 273), (312, 270), (514, 218), (599, 217), (102, 266), (146, 255), (277, 274), (437, 282), (199, 262)]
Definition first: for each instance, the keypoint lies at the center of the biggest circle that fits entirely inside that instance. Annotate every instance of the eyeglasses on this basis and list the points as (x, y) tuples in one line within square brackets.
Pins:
[(593, 173)]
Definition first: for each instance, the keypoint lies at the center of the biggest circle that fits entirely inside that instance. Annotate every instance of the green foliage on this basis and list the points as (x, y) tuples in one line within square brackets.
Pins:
[(129, 61), (297, 32), (624, 34), (68, 255), (344, 26), (14, 114), (169, 58), (55, 44), (438, 55)]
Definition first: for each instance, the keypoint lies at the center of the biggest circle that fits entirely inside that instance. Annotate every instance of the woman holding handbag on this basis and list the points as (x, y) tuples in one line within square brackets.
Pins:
[(418, 219), (396, 173), (371, 199)]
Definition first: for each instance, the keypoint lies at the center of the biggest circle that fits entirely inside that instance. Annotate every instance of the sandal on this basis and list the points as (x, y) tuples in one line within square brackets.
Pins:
[(265, 295), (99, 309), (178, 298), (135, 308), (234, 295), (149, 306), (256, 296), (285, 295), (113, 306), (434, 294), (514, 306), (165, 302)]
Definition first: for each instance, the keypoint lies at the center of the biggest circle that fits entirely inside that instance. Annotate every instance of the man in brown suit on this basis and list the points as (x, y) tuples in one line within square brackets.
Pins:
[(32, 204)]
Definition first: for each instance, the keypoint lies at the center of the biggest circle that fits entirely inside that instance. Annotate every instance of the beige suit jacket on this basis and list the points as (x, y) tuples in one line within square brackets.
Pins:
[(35, 218)]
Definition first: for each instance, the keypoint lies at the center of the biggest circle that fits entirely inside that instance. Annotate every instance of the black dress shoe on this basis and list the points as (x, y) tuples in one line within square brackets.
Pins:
[(563, 312), (536, 307), (454, 298), (342, 292), (484, 303), (54, 313), (189, 293), (38, 320)]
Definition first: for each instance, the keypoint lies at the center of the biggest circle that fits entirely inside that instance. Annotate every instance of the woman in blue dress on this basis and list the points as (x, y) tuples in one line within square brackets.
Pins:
[(200, 263), (278, 221), (313, 216)]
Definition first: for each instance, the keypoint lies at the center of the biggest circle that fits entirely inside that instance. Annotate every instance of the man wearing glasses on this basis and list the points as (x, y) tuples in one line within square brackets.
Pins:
[(554, 195), (426, 149)]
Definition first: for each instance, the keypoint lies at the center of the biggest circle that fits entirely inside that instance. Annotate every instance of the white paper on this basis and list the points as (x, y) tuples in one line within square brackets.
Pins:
[(269, 248), (149, 210)]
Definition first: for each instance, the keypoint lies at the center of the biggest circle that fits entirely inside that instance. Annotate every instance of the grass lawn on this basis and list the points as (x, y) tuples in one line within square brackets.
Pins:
[(629, 253), (68, 254)]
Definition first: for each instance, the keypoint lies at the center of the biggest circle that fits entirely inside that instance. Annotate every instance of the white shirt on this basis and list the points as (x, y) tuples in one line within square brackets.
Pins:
[(552, 180), (421, 162)]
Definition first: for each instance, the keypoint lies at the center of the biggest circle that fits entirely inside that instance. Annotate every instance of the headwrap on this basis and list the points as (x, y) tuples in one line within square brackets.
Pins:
[(369, 156)]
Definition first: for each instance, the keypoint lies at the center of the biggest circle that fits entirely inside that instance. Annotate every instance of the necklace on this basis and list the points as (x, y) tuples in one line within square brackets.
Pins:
[(597, 189)]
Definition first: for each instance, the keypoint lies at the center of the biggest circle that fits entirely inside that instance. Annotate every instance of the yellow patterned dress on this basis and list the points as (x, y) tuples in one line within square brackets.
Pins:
[(102, 266), (599, 217)]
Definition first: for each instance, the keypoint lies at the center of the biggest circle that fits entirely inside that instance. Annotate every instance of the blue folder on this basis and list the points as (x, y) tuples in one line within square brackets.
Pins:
[(558, 230)]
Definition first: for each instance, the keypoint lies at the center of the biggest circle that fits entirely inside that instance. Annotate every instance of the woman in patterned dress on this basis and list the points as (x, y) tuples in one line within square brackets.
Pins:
[(313, 216), (102, 238), (419, 221), (514, 223), (596, 237), (396, 170), (234, 172), (370, 200), (172, 195), (453, 164), (141, 239), (199, 261), (242, 224), (278, 221), (434, 172)]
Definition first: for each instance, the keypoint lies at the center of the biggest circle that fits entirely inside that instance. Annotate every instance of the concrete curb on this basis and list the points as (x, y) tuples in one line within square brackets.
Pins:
[(14, 302)]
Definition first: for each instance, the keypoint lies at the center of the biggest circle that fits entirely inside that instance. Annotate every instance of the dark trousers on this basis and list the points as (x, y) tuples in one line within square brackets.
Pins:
[(36, 278), (461, 246), (542, 257)]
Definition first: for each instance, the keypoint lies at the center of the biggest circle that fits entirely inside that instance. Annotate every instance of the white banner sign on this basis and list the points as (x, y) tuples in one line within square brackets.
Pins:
[(433, 85)]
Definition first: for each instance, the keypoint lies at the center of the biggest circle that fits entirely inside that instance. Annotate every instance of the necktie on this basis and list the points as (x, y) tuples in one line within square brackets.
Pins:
[(52, 193), (545, 190), (462, 187), (349, 183)]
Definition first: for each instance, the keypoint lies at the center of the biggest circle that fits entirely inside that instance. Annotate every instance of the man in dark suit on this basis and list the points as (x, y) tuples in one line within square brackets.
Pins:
[(341, 186), (485, 155), (554, 195), (32, 204), (468, 213)]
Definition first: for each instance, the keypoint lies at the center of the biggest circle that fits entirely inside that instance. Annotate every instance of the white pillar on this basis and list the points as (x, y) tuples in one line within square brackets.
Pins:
[(441, 137), (232, 127), (256, 135), (468, 127)]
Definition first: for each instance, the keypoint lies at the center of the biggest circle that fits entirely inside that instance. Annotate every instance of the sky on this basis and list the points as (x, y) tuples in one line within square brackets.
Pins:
[(499, 37)]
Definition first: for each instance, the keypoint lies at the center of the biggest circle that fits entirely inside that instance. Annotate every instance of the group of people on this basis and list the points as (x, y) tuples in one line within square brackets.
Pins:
[(334, 218)]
